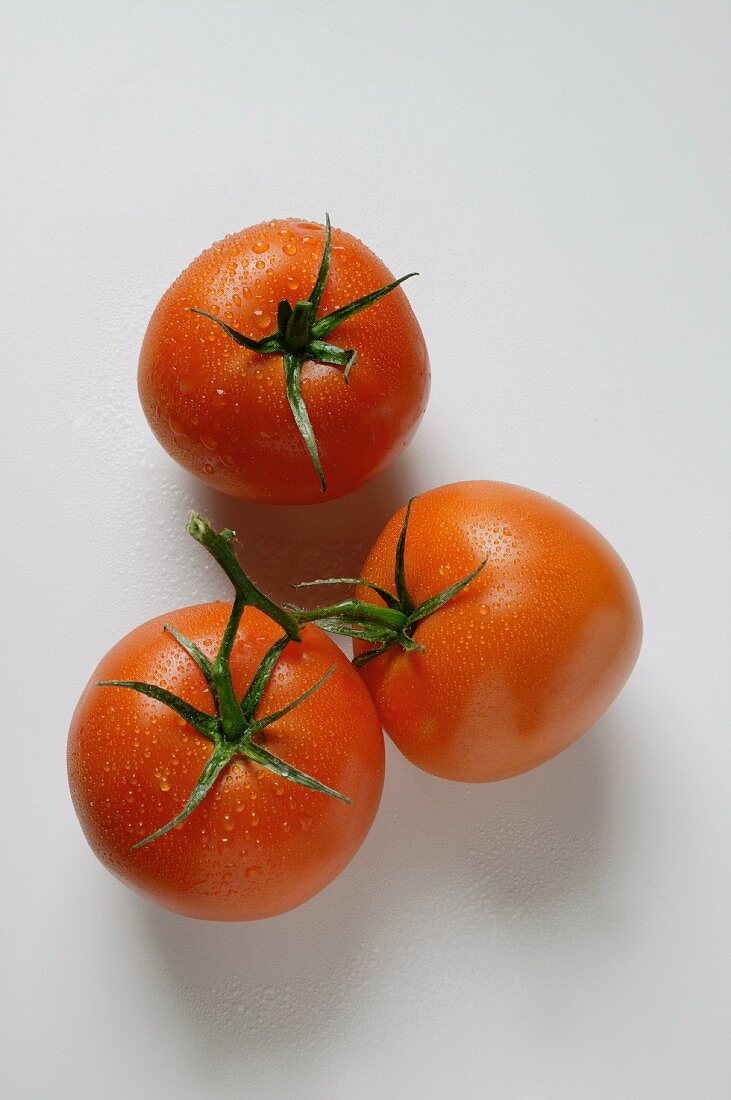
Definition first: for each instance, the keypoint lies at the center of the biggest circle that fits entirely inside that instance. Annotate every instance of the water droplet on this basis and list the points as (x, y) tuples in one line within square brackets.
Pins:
[(289, 249), (262, 320), (292, 284), (164, 783), (259, 247), (208, 468), (186, 385)]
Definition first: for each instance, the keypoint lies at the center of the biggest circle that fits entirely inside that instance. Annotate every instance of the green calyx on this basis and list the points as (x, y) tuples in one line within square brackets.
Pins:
[(300, 337), (235, 730), (385, 626)]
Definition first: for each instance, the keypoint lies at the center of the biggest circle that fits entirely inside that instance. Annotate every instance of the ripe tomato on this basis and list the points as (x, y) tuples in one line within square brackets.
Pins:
[(520, 662), (243, 419), (260, 842)]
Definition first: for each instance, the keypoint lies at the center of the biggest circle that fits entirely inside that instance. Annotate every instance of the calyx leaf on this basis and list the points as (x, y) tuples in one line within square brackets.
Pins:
[(393, 623)]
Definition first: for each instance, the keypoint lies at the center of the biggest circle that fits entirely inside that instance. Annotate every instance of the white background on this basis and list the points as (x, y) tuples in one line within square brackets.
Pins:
[(558, 173)]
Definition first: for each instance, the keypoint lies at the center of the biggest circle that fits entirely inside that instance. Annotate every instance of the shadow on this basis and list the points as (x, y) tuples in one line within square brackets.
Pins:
[(511, 849), (492, 861), (282, 545), (266, 991)]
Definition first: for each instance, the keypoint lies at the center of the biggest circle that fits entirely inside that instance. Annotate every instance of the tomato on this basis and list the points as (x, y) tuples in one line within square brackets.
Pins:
[(258, 843), (516, 665), (279, 422)]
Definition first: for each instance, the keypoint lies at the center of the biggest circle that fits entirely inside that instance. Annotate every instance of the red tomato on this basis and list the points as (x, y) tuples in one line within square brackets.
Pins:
[(205, 797), (230, 413), (523, 660)]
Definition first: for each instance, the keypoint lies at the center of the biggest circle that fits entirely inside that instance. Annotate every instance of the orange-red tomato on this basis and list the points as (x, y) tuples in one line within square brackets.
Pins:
[(222, 411), (522, 661), (258, 844)]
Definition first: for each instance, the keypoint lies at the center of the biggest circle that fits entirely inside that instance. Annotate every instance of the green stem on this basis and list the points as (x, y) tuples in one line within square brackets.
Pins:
[(356, 611), (219, 545), (234, 726), (297, 333)]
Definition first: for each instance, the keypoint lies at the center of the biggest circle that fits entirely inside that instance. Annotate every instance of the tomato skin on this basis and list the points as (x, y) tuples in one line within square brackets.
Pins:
[(525, 659), (257, 845), (221, 410)]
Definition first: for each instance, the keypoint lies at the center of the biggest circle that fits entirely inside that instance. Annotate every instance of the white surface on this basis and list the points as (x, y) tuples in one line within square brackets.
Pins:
[(558, 173)]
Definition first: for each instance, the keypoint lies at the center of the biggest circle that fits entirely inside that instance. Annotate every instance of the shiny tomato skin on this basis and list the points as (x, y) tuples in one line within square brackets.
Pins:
[(221, 410), (257, 845), (525, 659)]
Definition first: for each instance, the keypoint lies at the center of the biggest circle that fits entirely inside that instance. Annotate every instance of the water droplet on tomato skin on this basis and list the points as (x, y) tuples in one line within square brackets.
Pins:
[(289, 249), (260, 247)]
